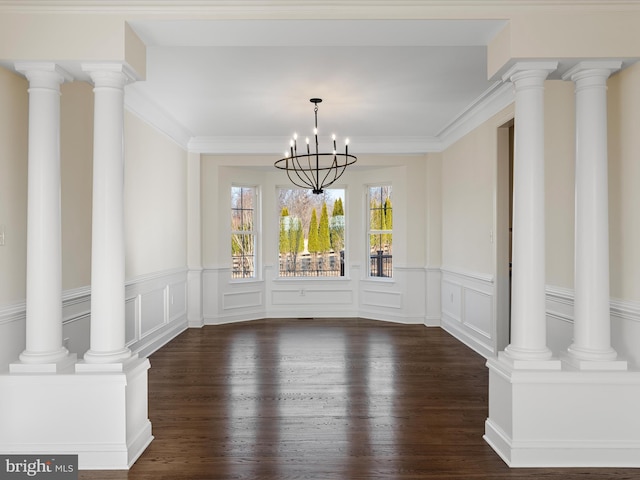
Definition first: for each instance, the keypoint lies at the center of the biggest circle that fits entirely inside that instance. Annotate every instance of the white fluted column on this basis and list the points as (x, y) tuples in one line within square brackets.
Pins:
[(44, 252), (528, 347), (591, 348), (107, 344)]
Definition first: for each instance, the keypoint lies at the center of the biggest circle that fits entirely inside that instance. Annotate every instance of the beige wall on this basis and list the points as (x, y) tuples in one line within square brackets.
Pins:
[(70, 37), (549, 33), (624, 183), (155, 190), (13, 185), (559, 151), (155, 200), (433, 210), (76, 163), (468, 189)]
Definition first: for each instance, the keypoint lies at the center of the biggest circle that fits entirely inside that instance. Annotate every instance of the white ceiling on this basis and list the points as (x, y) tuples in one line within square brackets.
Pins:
[(245, 80)]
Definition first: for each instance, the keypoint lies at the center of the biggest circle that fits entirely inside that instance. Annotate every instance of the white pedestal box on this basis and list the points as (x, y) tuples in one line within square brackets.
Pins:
[(100, 414), (563, 418)]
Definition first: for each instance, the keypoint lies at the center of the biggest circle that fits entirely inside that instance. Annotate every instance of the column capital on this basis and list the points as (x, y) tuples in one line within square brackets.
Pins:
[(43, 74), (592, 68), (519, 70), (115, 75)]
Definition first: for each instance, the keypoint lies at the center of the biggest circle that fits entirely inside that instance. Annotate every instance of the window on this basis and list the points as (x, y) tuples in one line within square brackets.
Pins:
[(380, 232), (243, 235), (312, 233)]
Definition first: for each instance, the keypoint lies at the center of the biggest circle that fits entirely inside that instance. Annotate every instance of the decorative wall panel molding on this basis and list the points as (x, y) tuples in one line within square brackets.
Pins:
[(151, 320), (433, 297), (380, 298), (311, 296), (245, 299), (625, 324), (155, 310), (225, 300), (467, 302), (401, 299)]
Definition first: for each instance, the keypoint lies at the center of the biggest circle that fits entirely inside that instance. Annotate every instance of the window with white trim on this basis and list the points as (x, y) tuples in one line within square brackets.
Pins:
[(243, 233), (312, 233), (380, 231)]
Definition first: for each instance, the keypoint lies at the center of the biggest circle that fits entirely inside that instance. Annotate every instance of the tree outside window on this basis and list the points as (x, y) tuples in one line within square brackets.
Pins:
[(311, 241), (243, 235), (380, 231)]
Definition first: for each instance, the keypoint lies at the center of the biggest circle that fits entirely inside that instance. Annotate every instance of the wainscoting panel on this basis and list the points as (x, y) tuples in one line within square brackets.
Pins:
[(177, 300), (156, 309), (152, 311), (434, 297), (625, 325), (311, 296), (76, 317), (401, 299), (467, 309), (12, 334), (478, 311), (226, 300), (451, 300), (379, 298), (246, 299), (150, 318), (132, 314)]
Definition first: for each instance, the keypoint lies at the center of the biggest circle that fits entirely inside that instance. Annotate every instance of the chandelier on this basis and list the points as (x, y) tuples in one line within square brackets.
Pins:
[(315, 170)]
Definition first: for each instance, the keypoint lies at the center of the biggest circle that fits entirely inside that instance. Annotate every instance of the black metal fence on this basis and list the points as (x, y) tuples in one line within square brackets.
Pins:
[(381, 264), (307, 265)]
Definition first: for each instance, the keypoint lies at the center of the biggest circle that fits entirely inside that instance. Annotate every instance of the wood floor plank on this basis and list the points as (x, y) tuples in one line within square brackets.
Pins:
[(322, 399)]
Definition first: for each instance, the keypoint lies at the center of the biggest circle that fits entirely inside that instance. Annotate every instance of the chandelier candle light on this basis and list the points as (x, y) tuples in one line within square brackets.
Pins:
[(315, 170)]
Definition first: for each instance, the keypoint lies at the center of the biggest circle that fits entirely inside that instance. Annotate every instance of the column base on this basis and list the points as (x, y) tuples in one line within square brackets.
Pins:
[(101, 417), (121, 366), (117, 356), (55, 364), (586, 359), (564, 418), (532, 364), (594, 365)]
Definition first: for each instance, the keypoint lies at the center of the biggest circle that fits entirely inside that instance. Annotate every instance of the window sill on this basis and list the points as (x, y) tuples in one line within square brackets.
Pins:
[(386, 280), (244, 281), (311, 279)]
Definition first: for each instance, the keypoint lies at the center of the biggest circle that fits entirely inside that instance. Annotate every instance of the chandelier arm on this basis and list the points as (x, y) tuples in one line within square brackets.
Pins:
[(336, 174), (334, 167), (300, 168), (297, 184), (304, 184)]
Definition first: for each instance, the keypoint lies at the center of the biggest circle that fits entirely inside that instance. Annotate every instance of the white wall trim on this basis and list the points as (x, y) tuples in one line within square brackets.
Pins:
[(13, 312), (624, 309), (155, 275), (459, 272), (560, 294), (495, 98), (467, 308), (477, 345)]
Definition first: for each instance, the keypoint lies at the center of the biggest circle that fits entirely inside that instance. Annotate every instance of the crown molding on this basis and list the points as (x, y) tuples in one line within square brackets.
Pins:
[(270, 7), (145, 108), (493, 100), (276, 145)]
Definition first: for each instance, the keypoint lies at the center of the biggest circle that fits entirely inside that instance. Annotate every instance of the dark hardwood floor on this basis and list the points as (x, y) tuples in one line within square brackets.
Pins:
[(322, 399)]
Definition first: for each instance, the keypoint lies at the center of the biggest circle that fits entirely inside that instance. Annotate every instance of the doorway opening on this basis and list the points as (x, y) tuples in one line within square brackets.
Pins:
[(503, 235)]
